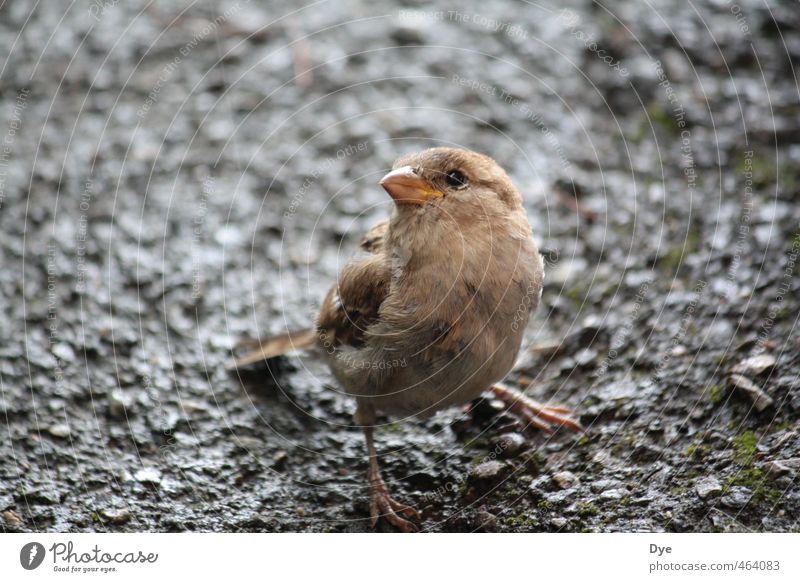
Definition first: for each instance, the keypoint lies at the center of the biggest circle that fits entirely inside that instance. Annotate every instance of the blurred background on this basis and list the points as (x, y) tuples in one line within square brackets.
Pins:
[(175, 176)]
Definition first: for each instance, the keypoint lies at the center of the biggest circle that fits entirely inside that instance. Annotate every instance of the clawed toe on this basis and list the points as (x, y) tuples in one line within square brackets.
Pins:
[(382, 505), (537, 415)]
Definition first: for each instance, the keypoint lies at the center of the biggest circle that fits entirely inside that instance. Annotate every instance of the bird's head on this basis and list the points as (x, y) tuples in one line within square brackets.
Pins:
[(453, 180)]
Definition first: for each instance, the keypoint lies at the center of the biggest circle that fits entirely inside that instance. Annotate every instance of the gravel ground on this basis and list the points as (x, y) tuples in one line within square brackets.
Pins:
[(177, 176)]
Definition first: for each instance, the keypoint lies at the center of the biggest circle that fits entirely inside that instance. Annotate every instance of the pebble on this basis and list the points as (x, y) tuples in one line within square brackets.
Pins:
[(613, 494), (11, 518), (603, 485), (488, 474), (780, 467), (558, 522), (736, 498), (63, 352), (761, 400), (118, 404), (755, 365), (488, 520), (60, 431), (585, 357), (509, 444), (148, 476), (708, 487), (117, 516), (566, 479)]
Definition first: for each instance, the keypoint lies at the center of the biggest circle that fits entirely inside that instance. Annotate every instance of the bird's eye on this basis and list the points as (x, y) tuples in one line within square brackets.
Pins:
[(456, 179)]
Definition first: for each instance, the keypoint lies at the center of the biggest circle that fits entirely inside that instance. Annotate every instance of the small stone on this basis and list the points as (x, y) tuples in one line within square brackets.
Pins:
[(755, 366), (488, 520), (603, 485), (116, 516), (488, 474), (63, 352), (736, 498), (279, 460), (761, 400), (148, 476), (11, 518), (118, 404), (708, 487), (509, 445), (60, 431), (679, 351), (781, 467), (613, 494), (586, 357), (558, 522), (566, 479)]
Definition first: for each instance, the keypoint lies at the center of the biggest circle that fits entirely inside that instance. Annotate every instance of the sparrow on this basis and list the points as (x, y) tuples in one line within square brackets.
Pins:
[(430, 312)]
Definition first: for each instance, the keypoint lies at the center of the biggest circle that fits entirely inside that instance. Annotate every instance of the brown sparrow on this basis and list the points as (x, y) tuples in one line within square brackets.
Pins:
[(432, 311)]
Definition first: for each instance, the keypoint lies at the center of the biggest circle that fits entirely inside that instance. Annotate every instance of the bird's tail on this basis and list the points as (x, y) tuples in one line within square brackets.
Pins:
[(274, 346)]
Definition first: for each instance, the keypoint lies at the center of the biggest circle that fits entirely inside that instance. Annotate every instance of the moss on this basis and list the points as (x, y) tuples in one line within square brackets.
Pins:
[(586, 509), (745, 446), (698, 451), (779, 426), (672, 259), (625, 443), (576, 295), (716, 393), (756, 481), (544, 505), (783, 314), (520, 521), (660, 117)]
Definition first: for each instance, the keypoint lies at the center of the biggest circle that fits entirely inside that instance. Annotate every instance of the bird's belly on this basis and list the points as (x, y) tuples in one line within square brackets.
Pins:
[(426, 385)]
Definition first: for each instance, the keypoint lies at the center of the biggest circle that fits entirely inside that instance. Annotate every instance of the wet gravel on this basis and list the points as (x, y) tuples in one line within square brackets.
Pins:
[(177, 176)]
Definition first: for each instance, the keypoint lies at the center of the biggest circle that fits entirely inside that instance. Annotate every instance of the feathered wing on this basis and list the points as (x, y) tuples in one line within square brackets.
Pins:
[(352, 305), (349, 307)]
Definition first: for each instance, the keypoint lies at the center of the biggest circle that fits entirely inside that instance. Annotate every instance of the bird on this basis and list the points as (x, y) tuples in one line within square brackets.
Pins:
[(430, 311)]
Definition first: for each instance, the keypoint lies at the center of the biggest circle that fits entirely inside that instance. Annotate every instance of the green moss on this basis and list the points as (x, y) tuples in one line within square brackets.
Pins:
[(698, 451), (660, 117), (586, 509), (745, 446), (520, 521), (672, 259), (576, 295), (716, 393), (756, 481)]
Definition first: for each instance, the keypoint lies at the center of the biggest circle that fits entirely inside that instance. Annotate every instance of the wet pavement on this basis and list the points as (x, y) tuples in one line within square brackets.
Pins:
[(175, 177)]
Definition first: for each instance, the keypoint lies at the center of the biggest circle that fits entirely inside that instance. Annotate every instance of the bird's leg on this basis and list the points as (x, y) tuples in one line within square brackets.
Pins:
[(381, 503), (536, 414)]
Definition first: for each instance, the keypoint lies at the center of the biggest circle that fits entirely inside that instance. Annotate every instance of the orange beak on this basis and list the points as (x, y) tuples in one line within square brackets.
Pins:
[(406, 187)]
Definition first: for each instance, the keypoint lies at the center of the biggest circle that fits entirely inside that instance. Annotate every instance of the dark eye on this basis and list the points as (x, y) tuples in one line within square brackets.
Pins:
[(456, 179)]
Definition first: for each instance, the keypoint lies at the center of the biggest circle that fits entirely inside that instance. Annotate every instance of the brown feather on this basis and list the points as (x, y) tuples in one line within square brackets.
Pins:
[(273, 347)]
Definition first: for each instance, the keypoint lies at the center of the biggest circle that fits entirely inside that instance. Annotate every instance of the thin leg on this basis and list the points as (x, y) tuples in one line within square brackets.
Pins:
[(537, 415), (381, 503)]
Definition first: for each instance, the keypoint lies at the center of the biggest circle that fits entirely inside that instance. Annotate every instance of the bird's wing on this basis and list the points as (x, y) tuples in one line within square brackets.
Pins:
[(373, 241), (351, 305)]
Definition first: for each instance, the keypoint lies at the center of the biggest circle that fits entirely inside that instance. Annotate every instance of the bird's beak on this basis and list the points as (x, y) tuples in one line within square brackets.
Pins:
[(406, 187)]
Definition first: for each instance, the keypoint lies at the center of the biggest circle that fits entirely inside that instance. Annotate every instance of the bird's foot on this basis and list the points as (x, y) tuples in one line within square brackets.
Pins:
[(535, 414), (382, 505)]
